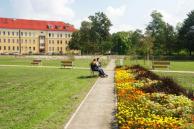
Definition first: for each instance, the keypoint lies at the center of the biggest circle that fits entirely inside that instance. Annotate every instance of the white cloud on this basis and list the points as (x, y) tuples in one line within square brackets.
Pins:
[(122, 27), (170, 18), (43, 9), (115, 12)]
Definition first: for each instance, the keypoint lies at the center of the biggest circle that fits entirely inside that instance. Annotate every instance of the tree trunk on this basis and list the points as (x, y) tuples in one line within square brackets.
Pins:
[(190, 53)]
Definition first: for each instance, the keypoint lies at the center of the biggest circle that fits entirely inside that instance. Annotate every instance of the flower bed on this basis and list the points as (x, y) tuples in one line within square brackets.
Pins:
[(142, 103)]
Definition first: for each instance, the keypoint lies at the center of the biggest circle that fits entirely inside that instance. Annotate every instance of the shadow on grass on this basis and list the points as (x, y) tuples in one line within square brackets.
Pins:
[(90, 76)]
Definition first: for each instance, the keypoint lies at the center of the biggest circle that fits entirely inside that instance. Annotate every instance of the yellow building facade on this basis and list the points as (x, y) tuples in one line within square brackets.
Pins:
[(47, 38)]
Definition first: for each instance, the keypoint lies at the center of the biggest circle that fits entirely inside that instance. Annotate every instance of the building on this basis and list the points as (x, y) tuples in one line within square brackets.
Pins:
[(34, 36)]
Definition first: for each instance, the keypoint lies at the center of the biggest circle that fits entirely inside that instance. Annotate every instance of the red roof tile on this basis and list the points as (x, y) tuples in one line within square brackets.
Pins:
[(10, 23)]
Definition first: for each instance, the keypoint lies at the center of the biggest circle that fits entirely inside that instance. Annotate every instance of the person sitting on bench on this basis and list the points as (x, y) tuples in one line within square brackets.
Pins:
[(95, 67)]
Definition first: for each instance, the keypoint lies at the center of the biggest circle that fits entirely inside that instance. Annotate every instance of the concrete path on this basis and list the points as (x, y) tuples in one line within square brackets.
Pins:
[(96, 110), (51, 67), (170, 71)]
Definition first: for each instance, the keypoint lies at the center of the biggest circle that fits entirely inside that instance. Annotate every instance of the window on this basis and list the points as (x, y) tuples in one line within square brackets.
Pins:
[(4, 40), (18, 48), (61, 41), (49, 34), (57, 41), (30, 34), (69, 35), (49, 41), (26, 33), (53, 35), (13, 48), (0, 47), (0, 32), (61, 35), (3, 32), (53, 42), (26, 41), (0, 40), (30, 48), (57, 35), (4, 47), (66, 42), (17, 33), (8, 47), (13, 33), (21, 33), (8, 33), (58, 48), (65, 35), (34, 48), (13, 40)]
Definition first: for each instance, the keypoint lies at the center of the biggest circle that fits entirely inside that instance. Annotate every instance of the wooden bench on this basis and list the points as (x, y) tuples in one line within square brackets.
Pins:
[(66, 63), (36, 62), (161, 64)]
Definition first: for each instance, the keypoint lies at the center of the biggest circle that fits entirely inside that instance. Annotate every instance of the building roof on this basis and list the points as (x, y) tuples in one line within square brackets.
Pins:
[(11, 23)]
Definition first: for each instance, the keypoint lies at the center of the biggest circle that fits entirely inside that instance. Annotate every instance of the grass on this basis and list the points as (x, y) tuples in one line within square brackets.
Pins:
[(11, 60), (40, 98), (185, 80)]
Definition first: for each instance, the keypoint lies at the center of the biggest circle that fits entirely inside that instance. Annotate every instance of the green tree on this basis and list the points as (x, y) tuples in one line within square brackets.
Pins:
[(135, 42), (147, 44), (170, 44), (93, 37), (100, 29), (186, 33), (120, 43), (156, 29)]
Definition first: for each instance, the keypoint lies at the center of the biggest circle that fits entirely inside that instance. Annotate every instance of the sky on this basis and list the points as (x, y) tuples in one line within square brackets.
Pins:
[(125, 15)]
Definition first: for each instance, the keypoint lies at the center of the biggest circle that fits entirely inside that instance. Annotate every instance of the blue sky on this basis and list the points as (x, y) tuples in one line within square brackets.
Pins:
[(124, 14)]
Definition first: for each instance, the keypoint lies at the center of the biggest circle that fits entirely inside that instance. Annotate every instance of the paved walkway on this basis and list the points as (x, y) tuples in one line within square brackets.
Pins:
[(170, 71), (51, 67), (96, 110), (84, 68)]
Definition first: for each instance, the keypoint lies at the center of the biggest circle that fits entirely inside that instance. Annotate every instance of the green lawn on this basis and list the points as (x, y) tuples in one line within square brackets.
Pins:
[(174, 65), (11, 60), (40, 98), (185, 80)]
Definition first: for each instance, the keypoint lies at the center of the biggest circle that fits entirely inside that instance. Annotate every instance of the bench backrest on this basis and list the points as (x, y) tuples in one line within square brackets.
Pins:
[(67, 62), (161, 62), (37, 60)]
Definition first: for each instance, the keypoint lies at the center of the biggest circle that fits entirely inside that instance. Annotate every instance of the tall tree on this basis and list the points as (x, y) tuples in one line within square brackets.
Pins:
[(186, 33), (100, 29), (93, 37), (120, 43), (135, 42), (147, 45), (170, 44), (156, 29)]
